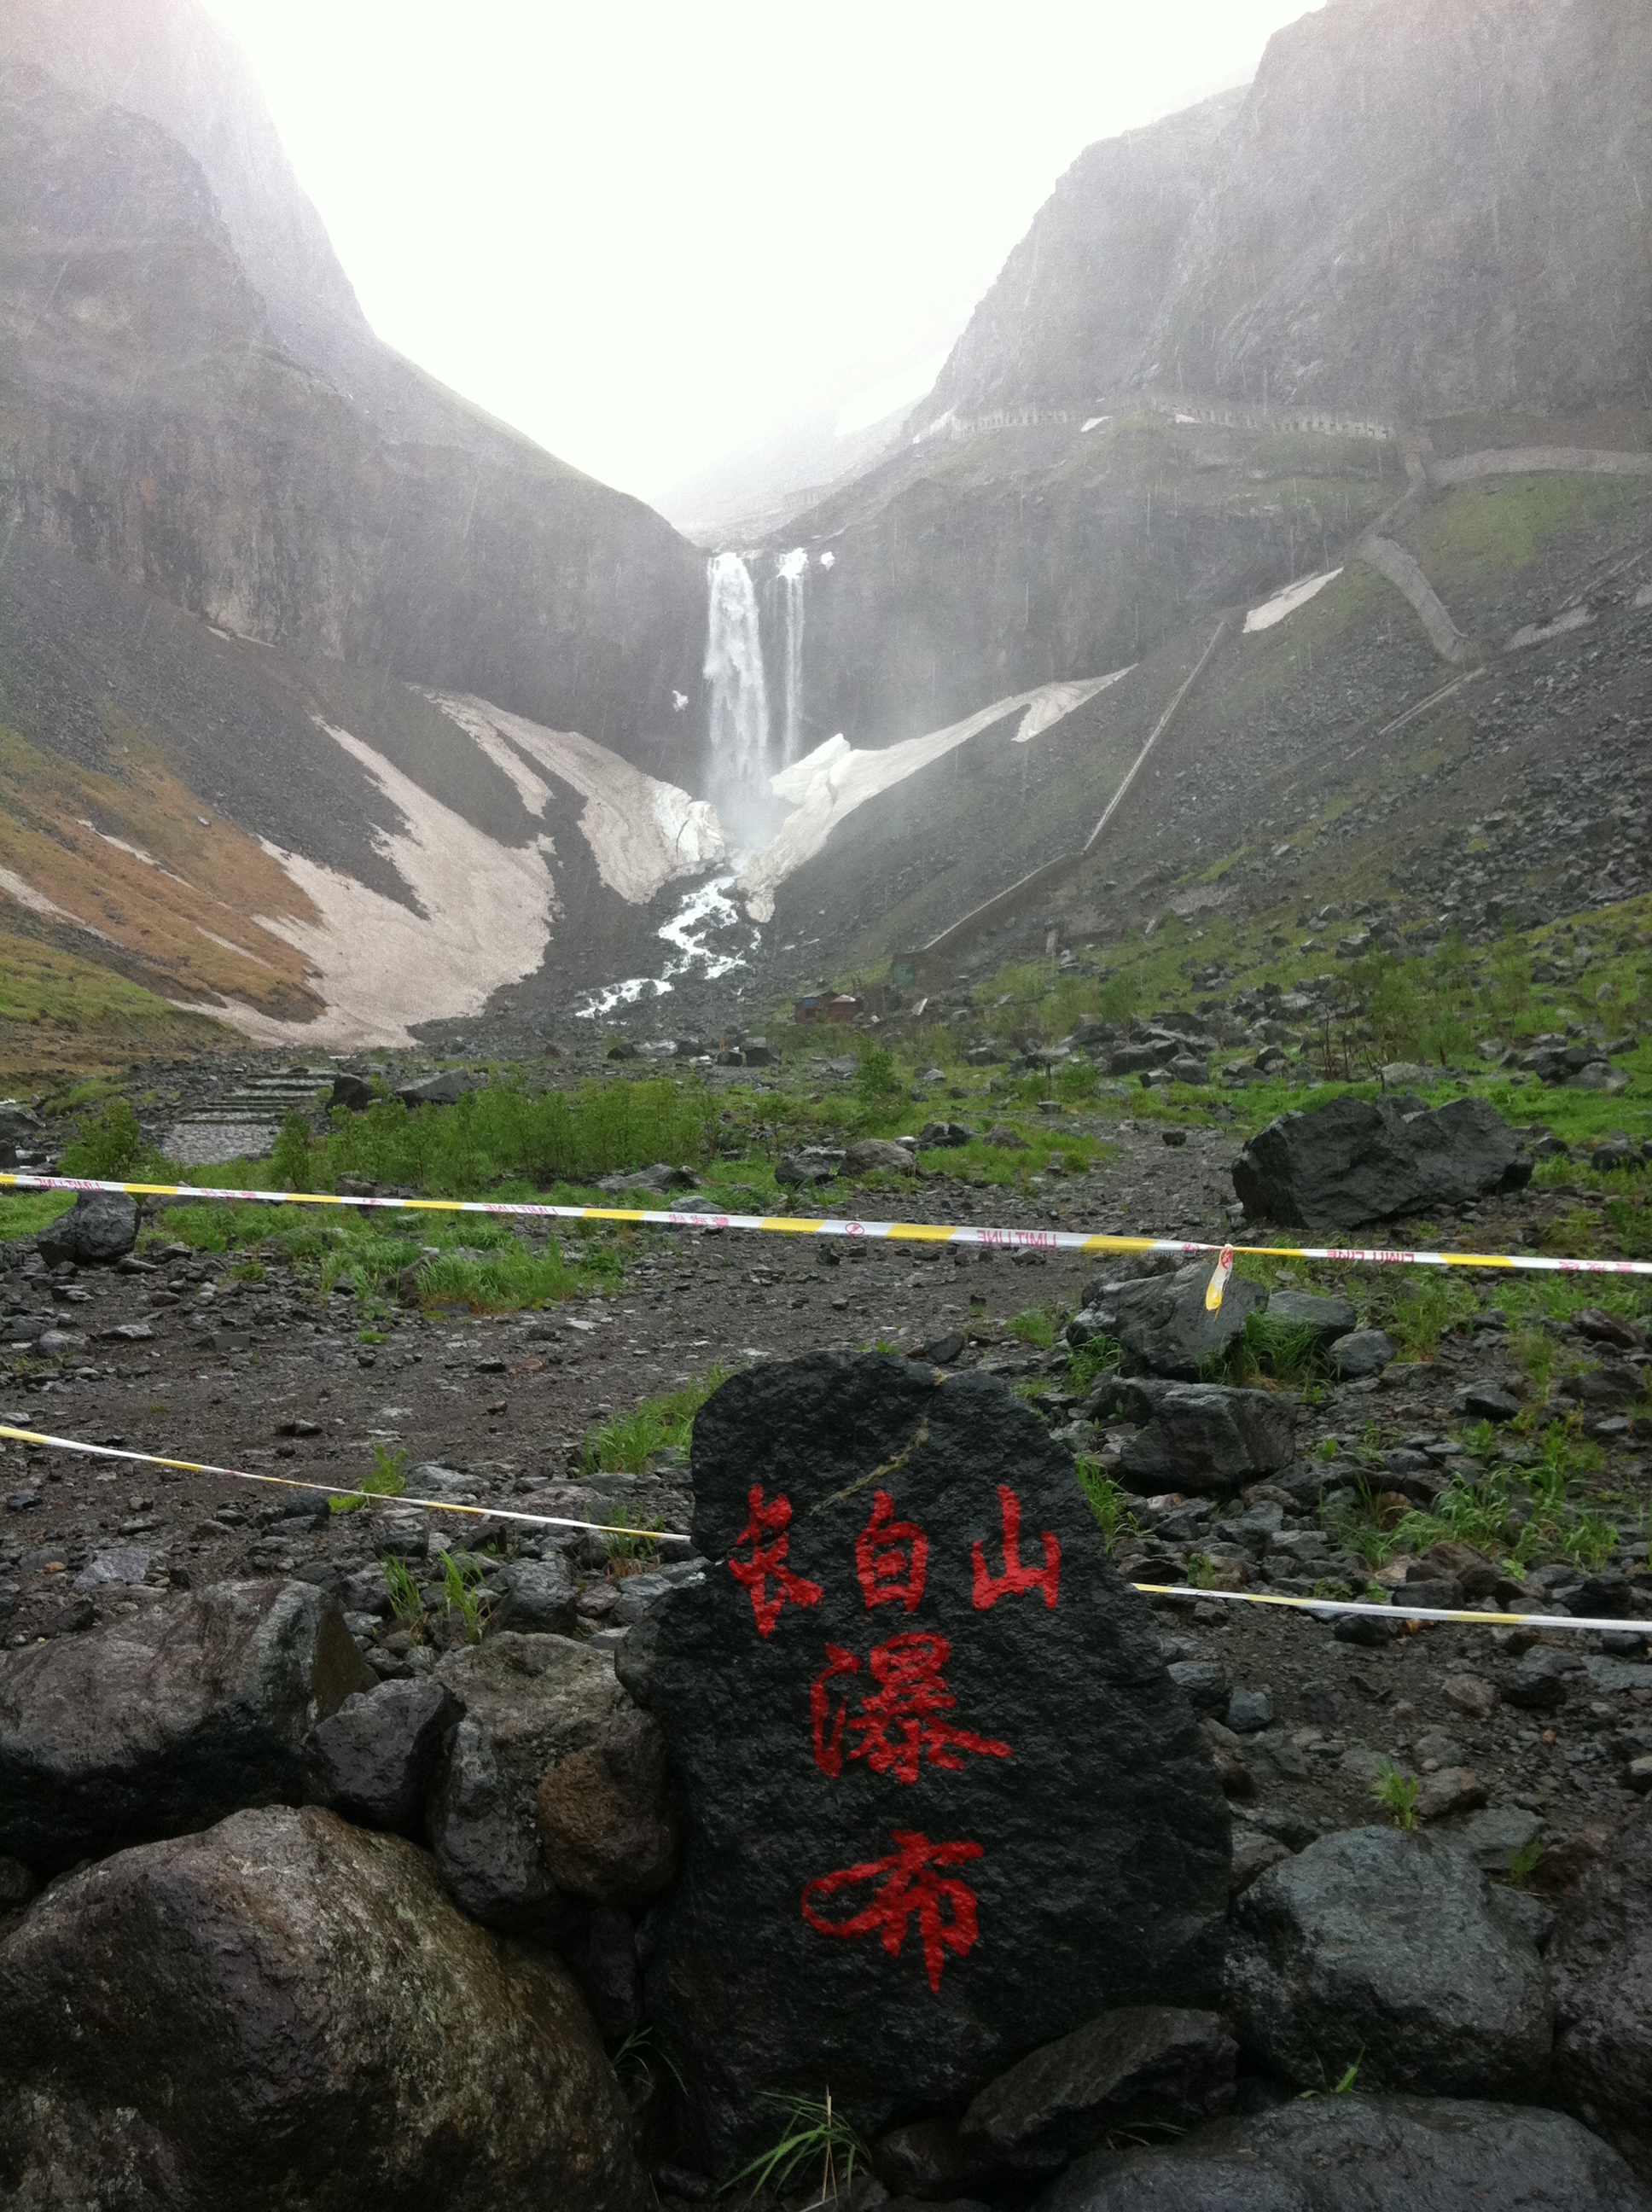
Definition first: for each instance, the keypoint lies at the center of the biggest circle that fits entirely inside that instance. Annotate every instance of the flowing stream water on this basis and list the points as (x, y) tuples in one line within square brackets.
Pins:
[(711, 936)]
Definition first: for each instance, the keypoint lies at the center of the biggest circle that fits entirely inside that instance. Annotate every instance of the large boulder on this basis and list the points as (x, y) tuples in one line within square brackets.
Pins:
[(529, 1701), (101, 1225), (286, 2010), (1162, 1321), (942, 1800), (1155, 2065), (1394, 1952), (1360, 2153), (154, 1725), (1204, 1436), (1354, 1160), (1600, 1962)]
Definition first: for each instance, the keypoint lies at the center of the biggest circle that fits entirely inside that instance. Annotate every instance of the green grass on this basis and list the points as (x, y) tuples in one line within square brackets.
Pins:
[(1108, 1501), (1501, 524), (1035, 1325), (626, 1442), (26, 1213), (505, 1131), (388, 1479)]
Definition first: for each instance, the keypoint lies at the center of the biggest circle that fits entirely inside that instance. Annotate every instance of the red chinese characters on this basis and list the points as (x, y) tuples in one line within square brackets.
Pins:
[(909, 1886), (987, 1588), (891, 1557), (765, 1532), (899, 1725)]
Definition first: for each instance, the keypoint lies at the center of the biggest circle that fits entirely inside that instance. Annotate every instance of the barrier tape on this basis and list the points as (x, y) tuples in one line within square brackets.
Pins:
[(336, 1490), (1316, 1605), (1393, 1613), (908, 1232)]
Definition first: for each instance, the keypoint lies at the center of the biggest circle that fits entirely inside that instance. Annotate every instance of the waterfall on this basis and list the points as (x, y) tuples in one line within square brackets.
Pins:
[(739, 698), (791, 573)]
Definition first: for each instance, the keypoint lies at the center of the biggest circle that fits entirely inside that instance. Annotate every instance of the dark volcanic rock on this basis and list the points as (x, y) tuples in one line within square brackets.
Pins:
[(1392, 1950), (1351, 1160), (605, 1816), (529, 1701), (1163, 1321), (151, 1727), (286, 2010), (101, 1225), (1600, 1964), (1205, 1436), (941, 1796), (373, 1759), (1331, 1317), (1142, 2063), (1357, 2153), (539, 1600)]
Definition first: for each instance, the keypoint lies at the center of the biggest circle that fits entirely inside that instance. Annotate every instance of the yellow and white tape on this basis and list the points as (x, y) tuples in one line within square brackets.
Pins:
[(1397, 1612), (1326, 1606), (908, 1232), (334, 1489)]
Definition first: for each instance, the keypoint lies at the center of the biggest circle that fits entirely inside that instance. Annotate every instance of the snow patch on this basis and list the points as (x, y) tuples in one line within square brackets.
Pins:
[(1287, 602), (485, 921), (826, 786), (1057, 701), (38, 903), (643, 833)]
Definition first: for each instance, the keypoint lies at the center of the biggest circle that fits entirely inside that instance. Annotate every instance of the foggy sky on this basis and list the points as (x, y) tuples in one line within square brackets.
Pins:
[(649, 232)]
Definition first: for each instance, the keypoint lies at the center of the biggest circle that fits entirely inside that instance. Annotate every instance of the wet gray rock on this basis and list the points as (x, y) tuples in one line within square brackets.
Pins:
[(1208, 1438), (374, 1760), (1600, 1962), (879, 1156), (1328, 1317), (100, 1227), (286, 2010), (529, 1701), (1142, 2063), (1250, 1710), (154, 1725), (1203, 1682), (444, 1090), (1394, 1950), (118, 1567), (1362, 2154), (1353, 1160), (906, 1862), (606, 1818), (1362, 1352), (1162, 1321), (539, 1598), (925, 2160), (811, 1164)]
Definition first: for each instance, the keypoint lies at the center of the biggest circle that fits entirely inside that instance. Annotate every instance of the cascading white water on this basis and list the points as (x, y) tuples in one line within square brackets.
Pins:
[(791, 573), (740, 696)]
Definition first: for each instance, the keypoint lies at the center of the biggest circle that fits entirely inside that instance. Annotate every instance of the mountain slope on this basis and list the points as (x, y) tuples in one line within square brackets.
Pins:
[(148, 424), (1068, 315)]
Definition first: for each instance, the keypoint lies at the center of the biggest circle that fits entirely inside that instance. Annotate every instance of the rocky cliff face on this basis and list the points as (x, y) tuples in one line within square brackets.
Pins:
[(1074, 305), (150, 424), (1426, 208), (1420, 208), (170, 62)]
